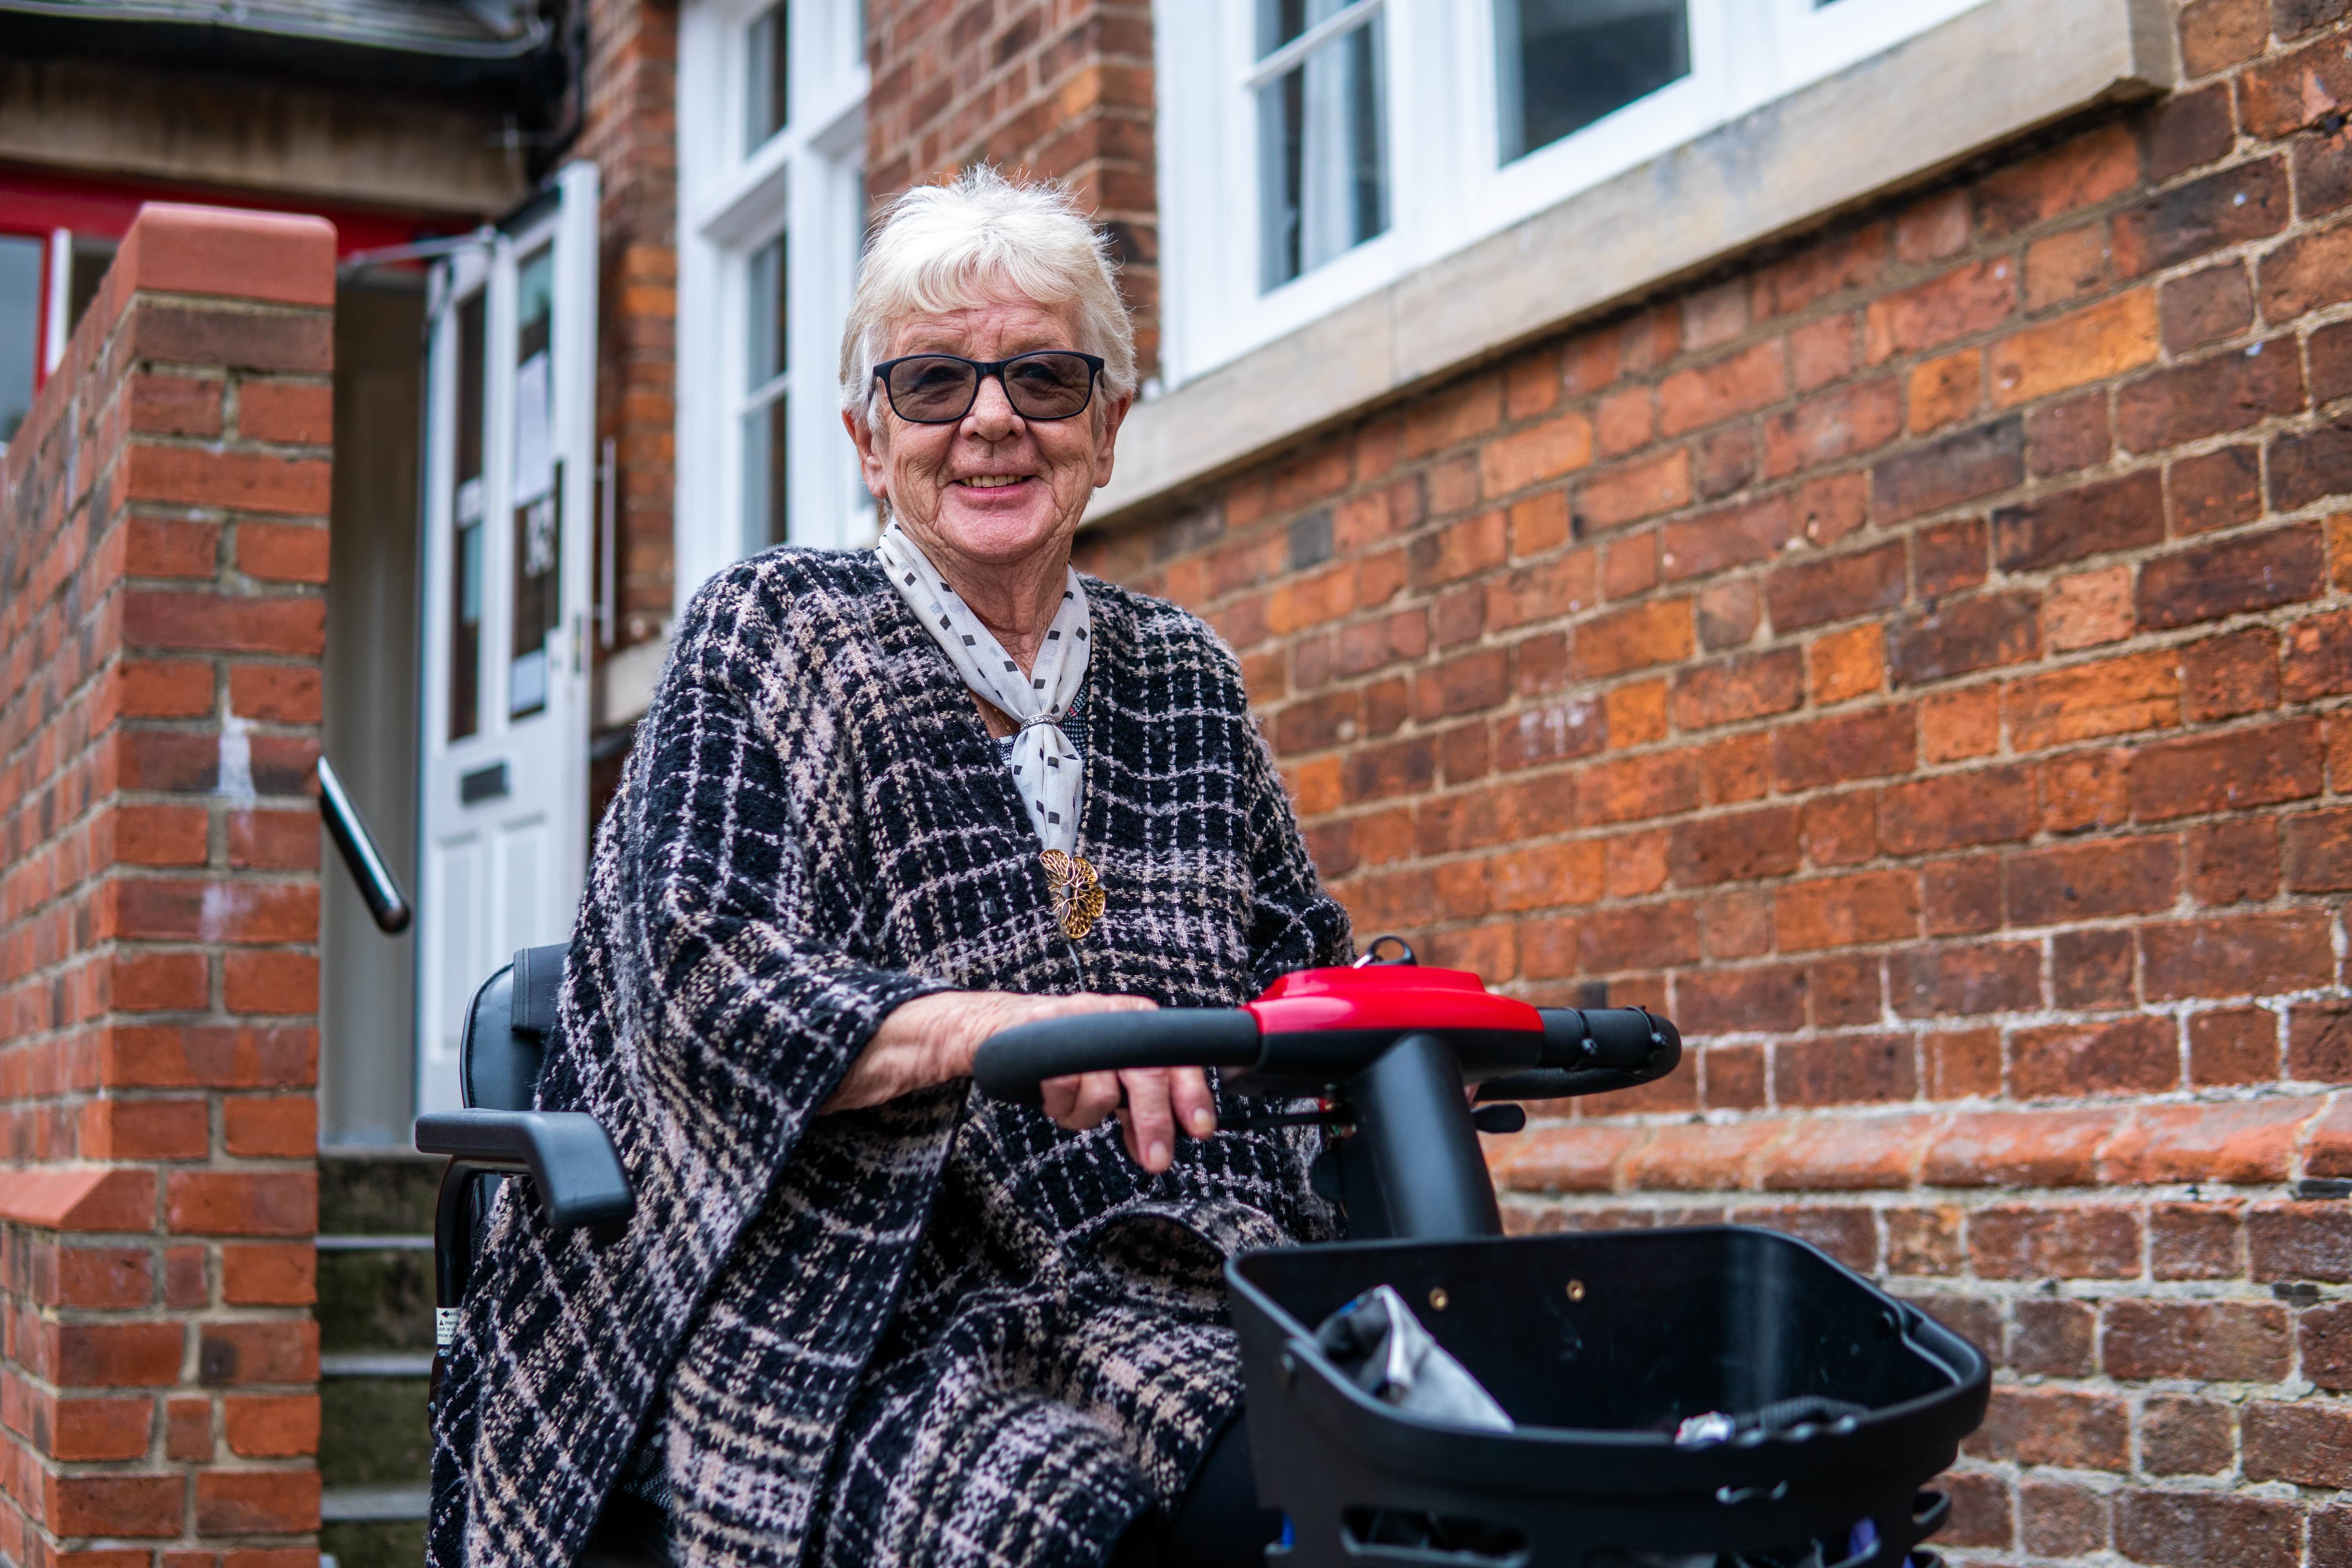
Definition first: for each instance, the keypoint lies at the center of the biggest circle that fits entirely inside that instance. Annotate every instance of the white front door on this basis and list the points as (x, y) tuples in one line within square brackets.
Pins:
[(509, 426)]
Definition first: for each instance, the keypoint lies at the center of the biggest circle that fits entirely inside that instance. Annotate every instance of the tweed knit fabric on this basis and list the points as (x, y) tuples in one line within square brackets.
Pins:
[(941, 1330)]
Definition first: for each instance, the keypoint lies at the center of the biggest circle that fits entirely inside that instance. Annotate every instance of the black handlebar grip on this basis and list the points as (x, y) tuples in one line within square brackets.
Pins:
[(1012, 1064), (1630, 1039)]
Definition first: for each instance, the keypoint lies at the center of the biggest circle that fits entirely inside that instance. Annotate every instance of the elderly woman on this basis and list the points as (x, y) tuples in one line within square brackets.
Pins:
[(883, 805)]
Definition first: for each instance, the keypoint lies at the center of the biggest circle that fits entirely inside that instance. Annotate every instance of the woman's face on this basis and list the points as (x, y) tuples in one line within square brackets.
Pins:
[(993, 488)]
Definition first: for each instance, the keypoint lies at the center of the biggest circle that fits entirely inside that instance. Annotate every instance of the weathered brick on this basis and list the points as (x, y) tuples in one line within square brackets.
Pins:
[(2206, 307), (1737, 848), (2054, 1339), (2050, 1426), (1839, 912), (1956, 637), (2232, 771), (2092, 520), (1732, 690), (2183, 1530), (2093, 344), (2077, 173), (1947, 471), (1989, 806), (1809, 592), (2112, 696), (2306, 273), (2067, 266), (1968, 300), (1619, 496), (2187, 1436), (2089, 608), (2224, 391), (2246, 201), (2305, 467), (2216, 490), (2088, 881), (1689, 399), (2251, 571), (1829, 426), (1961, 981), (2238, 1045), (2064, 1241), (1657, 632), (2237, 955), (2139, 1055), (2216, 34)]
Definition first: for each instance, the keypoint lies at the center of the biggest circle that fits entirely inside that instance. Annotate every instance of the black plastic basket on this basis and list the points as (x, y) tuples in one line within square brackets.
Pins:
[(1599, 1345)]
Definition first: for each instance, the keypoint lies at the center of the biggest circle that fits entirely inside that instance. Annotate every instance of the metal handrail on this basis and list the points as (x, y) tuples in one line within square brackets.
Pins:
[(385, 899)]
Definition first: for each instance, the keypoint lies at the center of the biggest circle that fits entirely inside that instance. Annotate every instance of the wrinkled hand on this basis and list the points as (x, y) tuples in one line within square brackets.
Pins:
[(932, 1040)]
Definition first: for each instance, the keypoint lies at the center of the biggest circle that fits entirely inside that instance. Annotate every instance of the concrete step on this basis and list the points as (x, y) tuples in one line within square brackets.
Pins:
[(375, 1336), (376, 1191), (377, 1297), (372, 1543), (374, 1431)]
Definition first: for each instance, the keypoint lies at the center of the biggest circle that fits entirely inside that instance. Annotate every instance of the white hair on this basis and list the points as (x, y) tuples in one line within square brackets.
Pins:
[(980, 237)]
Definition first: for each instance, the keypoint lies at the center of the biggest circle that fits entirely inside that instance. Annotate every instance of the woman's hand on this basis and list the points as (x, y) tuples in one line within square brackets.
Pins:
[(1158, 1099), (933, 1038)]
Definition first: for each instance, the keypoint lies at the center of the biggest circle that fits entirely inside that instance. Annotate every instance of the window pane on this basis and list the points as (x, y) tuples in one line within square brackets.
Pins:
[(1563, 64), (1323, 178), (538, 509), (21, 259), (765, 317), (765, 517), (767, 96), (466, 563)]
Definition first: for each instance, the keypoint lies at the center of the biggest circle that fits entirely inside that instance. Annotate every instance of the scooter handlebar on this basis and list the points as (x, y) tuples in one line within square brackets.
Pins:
[(1014, 1064), (1585, 1050), (1627, 1039)]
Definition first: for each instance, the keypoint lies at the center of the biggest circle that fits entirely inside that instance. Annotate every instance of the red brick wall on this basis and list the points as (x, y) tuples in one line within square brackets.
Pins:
[(630, 131), (1060, 89), (163, 555), (1918, 662)]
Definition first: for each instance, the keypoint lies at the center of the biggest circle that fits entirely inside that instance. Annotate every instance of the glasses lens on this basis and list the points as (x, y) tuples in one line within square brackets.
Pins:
[(1048, 386), (932, 388)]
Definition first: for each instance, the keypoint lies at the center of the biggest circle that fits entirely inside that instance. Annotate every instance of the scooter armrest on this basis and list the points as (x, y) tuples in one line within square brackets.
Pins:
[(567, 1155)]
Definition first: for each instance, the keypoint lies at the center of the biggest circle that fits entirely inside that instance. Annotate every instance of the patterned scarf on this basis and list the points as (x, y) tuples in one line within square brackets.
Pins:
[(1048, 770)]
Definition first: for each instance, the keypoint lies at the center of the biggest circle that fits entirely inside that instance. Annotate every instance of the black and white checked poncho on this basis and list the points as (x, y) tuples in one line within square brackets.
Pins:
[(942, 1330)]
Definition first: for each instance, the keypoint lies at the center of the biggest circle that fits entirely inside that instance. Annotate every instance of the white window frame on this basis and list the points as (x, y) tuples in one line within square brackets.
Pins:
[(806, 182), (1447, 185)]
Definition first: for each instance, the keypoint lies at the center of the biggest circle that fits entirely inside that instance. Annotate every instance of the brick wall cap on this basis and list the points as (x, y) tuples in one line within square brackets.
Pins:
[(2240, 1142), (1847, 1152), (78, 1198), (2328, 1151), (1574, 1158), (2237, 1142), (178, 249), (2019, 1148)]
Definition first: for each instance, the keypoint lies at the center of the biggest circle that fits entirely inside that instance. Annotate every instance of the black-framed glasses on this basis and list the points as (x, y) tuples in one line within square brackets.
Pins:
[(939, 389)]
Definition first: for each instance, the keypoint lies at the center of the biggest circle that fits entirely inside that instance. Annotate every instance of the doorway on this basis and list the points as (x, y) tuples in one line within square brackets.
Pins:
[(368, 980), (503, 719)]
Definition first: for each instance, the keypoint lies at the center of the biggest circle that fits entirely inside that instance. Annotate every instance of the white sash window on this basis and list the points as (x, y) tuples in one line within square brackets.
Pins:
[(1314, 151), (772, 133)]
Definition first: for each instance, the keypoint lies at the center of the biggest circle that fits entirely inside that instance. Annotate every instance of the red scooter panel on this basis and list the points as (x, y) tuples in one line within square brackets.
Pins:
[(1390, 998)]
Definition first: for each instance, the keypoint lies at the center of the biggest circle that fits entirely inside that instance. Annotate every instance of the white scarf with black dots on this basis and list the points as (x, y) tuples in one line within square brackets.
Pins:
[(1046, 768)]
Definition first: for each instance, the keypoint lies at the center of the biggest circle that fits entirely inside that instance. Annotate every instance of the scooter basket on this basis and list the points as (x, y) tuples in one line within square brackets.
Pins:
[(1599, 1345)]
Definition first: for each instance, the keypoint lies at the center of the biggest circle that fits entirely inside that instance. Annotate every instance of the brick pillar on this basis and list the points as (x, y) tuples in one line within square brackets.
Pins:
[(163, 558), (1061, 89)]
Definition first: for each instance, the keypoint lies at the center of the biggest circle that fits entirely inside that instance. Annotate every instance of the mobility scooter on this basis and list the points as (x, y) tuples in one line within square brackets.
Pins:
[(1711, 1397)]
